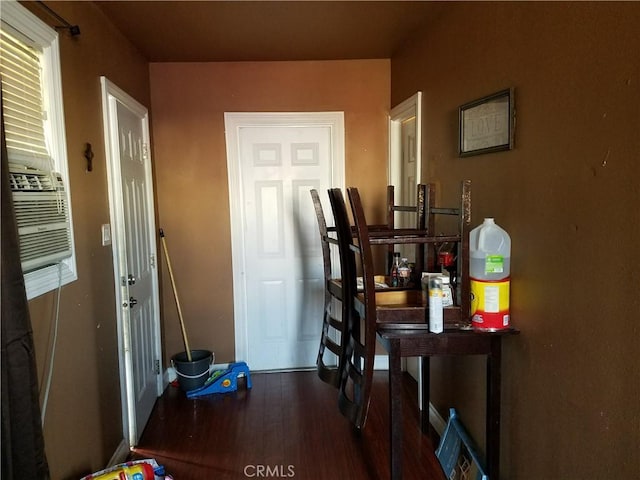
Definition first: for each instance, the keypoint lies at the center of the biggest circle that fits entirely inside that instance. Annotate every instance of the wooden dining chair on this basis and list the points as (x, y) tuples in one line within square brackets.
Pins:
[(360, 308), (357, 374), (335, 328), (331, 353)]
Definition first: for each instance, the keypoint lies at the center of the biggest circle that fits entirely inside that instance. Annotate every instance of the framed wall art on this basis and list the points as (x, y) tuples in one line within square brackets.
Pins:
[(487, 124)]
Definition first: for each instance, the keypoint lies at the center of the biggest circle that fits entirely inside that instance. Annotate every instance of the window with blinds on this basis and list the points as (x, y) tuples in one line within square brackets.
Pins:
[(36, 146), (23, 106)]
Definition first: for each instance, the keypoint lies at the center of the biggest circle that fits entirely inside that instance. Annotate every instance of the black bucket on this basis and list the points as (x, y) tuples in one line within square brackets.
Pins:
[(192, 374)]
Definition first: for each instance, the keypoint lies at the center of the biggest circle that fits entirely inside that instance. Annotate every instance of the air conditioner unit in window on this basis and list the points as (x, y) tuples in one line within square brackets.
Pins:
[(42, 215)]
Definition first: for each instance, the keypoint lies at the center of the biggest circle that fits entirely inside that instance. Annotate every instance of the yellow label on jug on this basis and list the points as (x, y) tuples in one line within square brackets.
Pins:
[(490, 304)]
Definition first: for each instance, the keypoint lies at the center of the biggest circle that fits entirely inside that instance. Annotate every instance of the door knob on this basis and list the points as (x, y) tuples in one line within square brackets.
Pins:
[(131, 280)]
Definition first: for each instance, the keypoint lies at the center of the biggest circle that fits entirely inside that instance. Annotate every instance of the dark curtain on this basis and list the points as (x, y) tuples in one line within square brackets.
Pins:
[(23, 456)]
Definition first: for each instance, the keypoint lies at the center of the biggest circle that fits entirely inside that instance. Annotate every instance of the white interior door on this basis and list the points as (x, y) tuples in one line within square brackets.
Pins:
[(274, 161), (134, 253)]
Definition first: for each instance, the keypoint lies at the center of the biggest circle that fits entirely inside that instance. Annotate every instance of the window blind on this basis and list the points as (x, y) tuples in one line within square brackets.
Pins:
[(22, 100)]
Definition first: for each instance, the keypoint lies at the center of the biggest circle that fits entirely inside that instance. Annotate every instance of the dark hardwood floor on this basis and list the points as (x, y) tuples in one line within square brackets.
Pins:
[(287, 426)]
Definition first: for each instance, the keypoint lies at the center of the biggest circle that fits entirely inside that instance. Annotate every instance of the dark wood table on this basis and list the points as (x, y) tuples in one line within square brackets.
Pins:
[(415, 340)]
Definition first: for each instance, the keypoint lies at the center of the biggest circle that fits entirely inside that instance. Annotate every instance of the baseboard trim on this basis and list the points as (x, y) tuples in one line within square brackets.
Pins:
[(120, 455), (435, 419)]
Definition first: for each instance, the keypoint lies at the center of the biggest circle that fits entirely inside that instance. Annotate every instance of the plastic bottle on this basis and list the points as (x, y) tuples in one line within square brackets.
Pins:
[(489, 269), (436, 313), (490, 252), (395, 270), (404, 273), (139, 471), (447, 292)]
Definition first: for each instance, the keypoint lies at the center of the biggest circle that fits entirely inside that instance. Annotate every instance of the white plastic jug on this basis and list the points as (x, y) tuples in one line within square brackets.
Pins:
[(489, 269), (489, 252)]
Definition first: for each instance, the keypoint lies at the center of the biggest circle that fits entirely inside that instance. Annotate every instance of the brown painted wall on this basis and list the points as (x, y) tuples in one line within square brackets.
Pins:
[(83, 425), (568, 195), (189, 101)]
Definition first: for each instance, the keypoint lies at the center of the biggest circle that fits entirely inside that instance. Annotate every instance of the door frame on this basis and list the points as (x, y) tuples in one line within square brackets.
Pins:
[(411, 107), (233, 122), (110, 94)]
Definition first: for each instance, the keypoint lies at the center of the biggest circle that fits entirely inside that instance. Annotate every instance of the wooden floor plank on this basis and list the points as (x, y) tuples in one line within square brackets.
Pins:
[(287, 426)]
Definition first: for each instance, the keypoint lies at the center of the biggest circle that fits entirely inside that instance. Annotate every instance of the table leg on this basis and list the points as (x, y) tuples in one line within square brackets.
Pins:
[(493, 408), (395, 406), (425, 381)]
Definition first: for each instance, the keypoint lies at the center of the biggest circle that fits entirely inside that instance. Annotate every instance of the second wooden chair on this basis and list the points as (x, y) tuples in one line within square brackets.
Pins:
[(331, 353)]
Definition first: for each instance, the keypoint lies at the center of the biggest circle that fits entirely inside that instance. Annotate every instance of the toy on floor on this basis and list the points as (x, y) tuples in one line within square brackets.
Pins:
[(135, 470), (223, 381)]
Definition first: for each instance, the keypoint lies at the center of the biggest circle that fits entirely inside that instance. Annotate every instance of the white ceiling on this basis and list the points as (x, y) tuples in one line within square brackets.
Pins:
[(215, 30)]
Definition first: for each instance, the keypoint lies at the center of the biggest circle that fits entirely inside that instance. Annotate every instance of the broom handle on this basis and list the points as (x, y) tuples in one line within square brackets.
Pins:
[(175, 295)]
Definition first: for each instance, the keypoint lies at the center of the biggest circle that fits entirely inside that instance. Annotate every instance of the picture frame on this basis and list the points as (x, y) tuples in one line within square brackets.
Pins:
[(487, 124)]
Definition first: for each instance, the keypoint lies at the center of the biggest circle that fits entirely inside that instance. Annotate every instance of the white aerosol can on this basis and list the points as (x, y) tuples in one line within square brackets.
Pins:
[(436, 313)]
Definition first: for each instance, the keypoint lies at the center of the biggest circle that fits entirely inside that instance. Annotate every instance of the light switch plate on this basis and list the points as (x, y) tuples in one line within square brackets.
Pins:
[(106, 234)]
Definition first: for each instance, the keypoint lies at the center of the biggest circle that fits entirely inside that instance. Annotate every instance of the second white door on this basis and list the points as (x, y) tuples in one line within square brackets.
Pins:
[(134, 256), (274, 161)]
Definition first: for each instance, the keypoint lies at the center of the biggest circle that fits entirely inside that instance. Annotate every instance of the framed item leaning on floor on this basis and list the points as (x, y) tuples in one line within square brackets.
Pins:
[(487, 124)]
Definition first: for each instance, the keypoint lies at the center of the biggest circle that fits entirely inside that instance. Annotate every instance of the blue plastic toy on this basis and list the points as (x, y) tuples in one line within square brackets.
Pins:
[(223, 381)]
